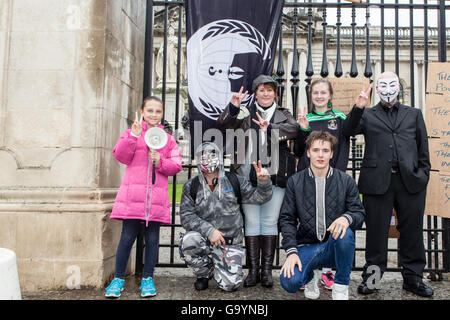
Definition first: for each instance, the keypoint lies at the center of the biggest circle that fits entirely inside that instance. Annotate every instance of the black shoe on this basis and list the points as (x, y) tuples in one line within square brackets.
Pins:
[(201, 284), (419, 288), (364, 289)]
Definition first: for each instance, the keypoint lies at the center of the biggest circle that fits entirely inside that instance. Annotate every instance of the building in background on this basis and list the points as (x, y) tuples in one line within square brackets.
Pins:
[(71, 78)]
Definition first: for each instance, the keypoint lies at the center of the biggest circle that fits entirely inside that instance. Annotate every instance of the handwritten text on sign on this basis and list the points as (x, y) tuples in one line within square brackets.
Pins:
[(438, 195), (438, 128), (440, 154), (438, 78), (438, 115)]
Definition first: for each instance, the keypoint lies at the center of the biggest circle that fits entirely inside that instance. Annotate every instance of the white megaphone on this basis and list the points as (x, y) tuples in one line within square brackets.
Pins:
[(155, 138)]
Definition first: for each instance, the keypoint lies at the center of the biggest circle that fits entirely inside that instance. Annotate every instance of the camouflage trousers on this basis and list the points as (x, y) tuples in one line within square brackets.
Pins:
[(207, 260)]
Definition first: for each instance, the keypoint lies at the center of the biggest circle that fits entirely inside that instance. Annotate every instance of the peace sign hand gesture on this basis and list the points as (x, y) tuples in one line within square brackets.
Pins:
[(237, 97), (136, 128), (261, 173), (263, 124), (363, 98), (302, 120)]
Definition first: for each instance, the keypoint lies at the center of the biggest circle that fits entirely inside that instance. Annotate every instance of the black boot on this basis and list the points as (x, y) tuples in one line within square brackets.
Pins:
[(252, 260), (268, 244)]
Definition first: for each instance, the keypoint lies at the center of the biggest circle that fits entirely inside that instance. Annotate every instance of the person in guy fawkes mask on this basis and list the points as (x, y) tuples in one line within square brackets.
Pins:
[(394, 174), (210, 213)]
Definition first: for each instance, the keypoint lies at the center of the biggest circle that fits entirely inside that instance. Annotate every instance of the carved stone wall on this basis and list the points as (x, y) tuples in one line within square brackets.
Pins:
[(71, 74)]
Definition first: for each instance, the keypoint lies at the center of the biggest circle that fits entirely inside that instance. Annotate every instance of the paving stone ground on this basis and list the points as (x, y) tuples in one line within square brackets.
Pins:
[(177, 284)]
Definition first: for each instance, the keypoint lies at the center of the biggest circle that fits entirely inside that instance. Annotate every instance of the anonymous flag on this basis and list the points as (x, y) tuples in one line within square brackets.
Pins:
[(229, 43)]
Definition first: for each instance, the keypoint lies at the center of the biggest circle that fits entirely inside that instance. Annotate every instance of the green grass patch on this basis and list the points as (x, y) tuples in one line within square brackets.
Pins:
[(179, 189)]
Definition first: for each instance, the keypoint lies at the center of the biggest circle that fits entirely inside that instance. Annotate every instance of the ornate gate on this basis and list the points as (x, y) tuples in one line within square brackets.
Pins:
[(314, 36)]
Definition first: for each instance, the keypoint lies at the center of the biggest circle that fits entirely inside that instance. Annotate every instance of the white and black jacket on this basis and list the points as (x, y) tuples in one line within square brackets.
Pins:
[(299, 221)]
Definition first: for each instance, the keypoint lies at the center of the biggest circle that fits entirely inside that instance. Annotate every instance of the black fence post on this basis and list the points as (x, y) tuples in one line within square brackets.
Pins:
[(441, 32), (147, 91), (280, 67)]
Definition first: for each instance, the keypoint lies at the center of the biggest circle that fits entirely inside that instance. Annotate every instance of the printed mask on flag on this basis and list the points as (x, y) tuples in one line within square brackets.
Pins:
[(388, 89), (223, 56)]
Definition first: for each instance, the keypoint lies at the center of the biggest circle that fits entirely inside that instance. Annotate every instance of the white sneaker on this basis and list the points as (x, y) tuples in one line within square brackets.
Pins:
[(339, 292), (312, 288)]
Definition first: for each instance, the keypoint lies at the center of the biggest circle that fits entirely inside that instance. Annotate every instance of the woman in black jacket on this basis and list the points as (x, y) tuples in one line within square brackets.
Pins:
[(276, 126)]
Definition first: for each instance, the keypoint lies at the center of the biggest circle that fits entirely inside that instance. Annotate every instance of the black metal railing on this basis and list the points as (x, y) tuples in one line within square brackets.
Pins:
[(432, 40)]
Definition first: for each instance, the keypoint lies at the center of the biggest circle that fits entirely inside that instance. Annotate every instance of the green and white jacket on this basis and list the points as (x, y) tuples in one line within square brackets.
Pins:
[(333, 122)]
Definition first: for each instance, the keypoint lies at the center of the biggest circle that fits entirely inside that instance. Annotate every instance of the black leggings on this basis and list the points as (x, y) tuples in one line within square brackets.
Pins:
[(130, 230)]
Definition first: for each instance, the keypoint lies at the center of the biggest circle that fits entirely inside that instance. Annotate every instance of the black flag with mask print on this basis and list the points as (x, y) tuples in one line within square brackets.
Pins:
[(229, 43)]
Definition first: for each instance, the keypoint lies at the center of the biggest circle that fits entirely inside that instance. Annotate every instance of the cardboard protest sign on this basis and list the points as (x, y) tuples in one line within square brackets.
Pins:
[(437, 119), (345, 91), (438, 195), (438, 80), (438, 115), (439, 149)]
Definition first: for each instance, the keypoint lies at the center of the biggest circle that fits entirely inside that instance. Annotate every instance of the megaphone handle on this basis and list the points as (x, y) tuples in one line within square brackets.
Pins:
[(153, 172)]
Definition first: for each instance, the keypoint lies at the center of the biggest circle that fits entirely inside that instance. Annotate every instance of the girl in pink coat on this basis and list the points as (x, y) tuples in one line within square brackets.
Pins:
[(138, 200)]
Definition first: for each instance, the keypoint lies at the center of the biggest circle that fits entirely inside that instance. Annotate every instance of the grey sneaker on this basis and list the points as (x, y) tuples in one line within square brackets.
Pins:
[(339, 292), (312, 288)]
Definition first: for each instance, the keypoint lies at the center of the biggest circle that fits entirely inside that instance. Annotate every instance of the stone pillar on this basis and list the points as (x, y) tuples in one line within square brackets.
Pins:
[(289, 62), (423, 89), (71, 75), (331, 68), (302, 99), (5, 22), (416, 85), (375, 96)]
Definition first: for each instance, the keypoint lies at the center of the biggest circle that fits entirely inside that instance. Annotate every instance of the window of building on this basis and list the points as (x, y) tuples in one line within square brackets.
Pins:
[(359, 154)]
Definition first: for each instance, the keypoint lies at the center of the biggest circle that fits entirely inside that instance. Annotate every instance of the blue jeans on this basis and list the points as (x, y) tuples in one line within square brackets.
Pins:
[(263, 219), (130, 230), (337, 254)]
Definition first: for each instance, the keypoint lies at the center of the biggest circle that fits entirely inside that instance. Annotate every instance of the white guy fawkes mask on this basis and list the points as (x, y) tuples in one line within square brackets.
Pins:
[(388, 89), (209, 161)]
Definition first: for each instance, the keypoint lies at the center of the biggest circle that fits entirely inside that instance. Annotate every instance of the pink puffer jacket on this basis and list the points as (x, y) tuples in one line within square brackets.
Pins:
[(130, 200)]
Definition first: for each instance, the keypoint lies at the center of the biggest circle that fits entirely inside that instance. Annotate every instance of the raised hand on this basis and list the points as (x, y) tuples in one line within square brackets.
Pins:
[(261, 173), (136, 128), (263, 124), (363, 97), (237, 98), (302, 120)]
